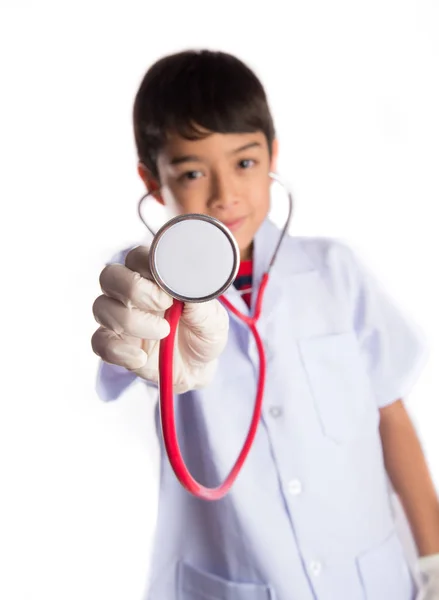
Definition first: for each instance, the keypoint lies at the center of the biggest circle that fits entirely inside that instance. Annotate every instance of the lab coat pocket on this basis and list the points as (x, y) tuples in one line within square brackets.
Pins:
[(339, 385), (194, 584), (384, 572)]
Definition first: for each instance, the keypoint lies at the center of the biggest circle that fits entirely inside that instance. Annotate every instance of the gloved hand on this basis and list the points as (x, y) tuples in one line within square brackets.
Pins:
[(131, 317), (429, 569)]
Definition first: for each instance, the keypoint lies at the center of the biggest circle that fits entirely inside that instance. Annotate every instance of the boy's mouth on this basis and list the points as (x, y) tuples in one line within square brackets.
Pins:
[(234, 225)]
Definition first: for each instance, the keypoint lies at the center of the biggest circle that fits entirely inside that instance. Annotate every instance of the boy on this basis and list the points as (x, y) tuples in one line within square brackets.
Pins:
[(309, 516)]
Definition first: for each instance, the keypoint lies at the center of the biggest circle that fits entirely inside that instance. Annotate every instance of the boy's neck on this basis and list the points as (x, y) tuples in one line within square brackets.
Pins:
[(247, 254)]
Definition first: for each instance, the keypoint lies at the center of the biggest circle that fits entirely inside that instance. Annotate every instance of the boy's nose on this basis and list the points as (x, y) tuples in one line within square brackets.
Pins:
[(223, 194)]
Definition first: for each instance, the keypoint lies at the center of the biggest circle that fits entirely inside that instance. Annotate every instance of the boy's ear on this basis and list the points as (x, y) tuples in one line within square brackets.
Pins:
[(274, 155), (151, 183)]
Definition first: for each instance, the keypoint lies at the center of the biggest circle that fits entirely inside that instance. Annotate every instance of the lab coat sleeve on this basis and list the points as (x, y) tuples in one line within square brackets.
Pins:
[(112, 381), (392, 345)]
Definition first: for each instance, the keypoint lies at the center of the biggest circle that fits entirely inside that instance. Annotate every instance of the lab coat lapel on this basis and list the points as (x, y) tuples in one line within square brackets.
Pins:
[(264, 245)]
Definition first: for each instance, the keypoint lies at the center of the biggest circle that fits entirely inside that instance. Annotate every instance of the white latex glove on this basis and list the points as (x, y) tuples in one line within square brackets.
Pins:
[(429, 569), (131, 317)]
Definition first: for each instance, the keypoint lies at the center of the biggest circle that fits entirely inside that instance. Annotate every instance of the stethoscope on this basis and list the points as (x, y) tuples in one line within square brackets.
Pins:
[(195, 258)]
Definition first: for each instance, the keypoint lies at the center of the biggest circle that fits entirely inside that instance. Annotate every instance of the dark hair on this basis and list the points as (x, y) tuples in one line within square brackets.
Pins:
[(194, 91)]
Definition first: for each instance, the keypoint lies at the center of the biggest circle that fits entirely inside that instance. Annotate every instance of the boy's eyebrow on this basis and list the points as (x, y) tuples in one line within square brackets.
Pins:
[(178, 160), (246, 147)]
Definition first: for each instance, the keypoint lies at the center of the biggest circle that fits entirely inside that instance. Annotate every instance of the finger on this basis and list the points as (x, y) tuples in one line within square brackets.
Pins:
[(116, 350), (131, 289), (120, 319), (137, 260)]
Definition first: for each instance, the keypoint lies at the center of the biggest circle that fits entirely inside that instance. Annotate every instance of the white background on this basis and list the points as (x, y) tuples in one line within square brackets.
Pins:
[(354, 91)]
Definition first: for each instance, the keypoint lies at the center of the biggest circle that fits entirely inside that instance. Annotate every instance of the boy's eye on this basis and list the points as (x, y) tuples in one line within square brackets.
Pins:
[(192, 175), (246, 163)]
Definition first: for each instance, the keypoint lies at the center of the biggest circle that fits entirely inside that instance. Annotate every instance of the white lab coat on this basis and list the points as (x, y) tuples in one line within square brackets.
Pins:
[(310, 516)]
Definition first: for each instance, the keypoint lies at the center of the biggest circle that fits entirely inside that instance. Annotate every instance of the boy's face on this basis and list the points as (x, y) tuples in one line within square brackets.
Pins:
[(225, 176)]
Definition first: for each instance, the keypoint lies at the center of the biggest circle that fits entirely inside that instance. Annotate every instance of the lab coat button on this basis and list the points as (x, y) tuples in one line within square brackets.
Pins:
[(295, 487), (315, 568), (275, 411)]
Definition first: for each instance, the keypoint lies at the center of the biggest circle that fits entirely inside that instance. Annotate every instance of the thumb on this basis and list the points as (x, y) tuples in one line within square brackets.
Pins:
[(204, 331)]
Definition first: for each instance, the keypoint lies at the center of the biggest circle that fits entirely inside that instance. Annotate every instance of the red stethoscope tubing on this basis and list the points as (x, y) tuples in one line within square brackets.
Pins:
[(166, 401)]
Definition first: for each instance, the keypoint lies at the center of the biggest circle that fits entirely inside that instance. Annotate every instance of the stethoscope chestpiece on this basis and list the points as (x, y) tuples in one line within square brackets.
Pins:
[(194, 258)]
